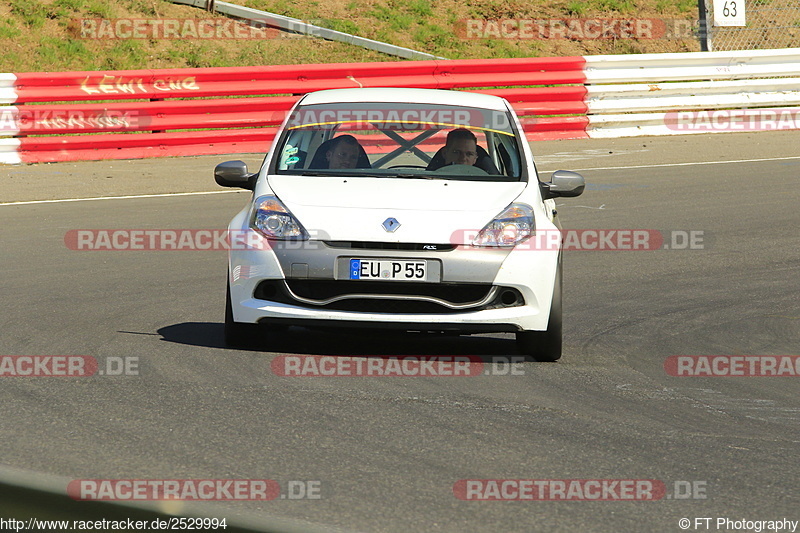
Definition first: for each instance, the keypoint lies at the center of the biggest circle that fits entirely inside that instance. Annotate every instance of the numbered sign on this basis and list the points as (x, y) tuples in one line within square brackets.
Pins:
[(729, 13)]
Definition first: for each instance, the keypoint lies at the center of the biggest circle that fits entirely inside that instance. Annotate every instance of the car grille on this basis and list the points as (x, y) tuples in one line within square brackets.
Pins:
[(389, 306), (375, 245), (323, 289), (387, 297)]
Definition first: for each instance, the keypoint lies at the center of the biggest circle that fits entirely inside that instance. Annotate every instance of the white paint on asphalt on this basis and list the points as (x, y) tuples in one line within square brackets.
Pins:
[(579, 155), (33, 202), (682, 164), (63, 200)]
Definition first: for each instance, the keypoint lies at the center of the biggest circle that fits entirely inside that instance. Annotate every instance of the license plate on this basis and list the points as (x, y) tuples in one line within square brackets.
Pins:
[(388, 270)]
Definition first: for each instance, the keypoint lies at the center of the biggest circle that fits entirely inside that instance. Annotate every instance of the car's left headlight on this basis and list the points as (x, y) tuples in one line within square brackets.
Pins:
[(274, 221), (512, 226)]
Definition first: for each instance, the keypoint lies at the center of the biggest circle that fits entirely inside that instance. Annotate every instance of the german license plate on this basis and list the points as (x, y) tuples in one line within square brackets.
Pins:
[(393, 270)]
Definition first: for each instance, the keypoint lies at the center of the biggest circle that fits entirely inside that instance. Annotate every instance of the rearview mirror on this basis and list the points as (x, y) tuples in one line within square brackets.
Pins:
[(234, 174), (564, 183)]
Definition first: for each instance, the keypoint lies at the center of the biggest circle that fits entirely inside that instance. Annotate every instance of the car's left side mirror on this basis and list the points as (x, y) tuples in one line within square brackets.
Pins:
[(234, 174), (563, 183)]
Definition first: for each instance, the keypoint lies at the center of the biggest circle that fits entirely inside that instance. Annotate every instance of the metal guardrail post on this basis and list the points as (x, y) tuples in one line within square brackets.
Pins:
[(705, 27)]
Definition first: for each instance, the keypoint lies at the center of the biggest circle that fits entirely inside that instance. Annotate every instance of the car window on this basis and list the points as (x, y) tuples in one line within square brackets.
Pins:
[(399, 140)]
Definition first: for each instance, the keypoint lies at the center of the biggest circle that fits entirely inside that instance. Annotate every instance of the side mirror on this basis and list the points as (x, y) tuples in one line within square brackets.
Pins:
[(564, 183), (234, 174)]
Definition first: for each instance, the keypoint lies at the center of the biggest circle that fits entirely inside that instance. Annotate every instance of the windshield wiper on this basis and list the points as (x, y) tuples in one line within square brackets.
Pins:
[(361, 174), (307, 173), (418, 176)]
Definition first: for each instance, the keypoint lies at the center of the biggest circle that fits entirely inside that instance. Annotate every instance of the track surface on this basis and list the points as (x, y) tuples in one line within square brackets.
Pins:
[(387, 451)]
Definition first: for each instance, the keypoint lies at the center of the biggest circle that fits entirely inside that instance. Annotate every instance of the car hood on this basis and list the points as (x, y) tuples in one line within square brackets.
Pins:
[(428, 211)]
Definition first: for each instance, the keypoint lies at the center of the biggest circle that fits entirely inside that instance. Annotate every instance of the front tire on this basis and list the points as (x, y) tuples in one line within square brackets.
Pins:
[(238, 334), (545, 346)]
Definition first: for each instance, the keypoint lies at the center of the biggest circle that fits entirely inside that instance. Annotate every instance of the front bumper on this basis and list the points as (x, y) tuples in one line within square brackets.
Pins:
[(477, 289)]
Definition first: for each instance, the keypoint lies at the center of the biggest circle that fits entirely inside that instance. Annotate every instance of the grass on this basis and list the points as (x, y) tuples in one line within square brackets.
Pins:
[(32, 13), (8, 30), (614, 6), (54, 51), (575, 8), (688, 6)]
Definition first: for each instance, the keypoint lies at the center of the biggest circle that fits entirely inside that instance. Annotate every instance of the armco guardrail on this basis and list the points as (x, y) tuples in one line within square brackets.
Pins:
[(665, 94), (133, 128), (192, 111)]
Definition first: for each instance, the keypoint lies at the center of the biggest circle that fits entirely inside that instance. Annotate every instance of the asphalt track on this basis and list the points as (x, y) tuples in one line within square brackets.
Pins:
[(387, 451)]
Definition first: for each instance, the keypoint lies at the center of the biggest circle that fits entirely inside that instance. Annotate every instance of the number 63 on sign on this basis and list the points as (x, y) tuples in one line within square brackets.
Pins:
[(729, 13)]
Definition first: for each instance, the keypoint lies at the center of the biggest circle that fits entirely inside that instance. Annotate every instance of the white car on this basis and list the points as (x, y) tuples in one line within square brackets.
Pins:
[(409, 209)]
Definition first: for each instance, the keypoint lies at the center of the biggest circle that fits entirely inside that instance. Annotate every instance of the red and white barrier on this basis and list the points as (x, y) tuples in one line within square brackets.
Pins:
[(146, 119), (569, 97), (706, 92)]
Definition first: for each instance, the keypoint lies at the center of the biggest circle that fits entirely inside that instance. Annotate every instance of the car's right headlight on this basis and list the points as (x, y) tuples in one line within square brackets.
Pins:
[(509, 228), (273, 220)]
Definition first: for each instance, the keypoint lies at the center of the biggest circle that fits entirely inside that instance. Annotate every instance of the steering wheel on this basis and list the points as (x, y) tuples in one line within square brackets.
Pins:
[(463, 170)]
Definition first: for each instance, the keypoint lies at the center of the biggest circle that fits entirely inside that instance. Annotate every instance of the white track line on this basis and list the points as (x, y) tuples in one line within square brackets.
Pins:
[(116, 197), (682, 164), (32, 202)]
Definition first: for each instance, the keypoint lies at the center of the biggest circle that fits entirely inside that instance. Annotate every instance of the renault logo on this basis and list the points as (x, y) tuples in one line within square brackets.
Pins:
[(390, 224)]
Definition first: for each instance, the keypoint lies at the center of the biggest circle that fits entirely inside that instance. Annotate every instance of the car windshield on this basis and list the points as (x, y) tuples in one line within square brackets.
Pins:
[(400, 141)]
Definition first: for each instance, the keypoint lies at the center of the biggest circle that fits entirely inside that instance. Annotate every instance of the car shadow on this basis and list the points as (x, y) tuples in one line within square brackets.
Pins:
[(299, 340)]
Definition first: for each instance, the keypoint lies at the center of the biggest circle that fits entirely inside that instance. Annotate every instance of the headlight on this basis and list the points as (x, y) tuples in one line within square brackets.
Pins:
[(272, 220), (509, 228)]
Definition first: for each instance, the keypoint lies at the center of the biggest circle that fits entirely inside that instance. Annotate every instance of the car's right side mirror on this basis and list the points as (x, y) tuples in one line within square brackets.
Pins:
[(563, 183)]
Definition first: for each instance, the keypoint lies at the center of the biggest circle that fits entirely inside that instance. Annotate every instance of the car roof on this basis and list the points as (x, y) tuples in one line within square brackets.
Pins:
[(405, 95)]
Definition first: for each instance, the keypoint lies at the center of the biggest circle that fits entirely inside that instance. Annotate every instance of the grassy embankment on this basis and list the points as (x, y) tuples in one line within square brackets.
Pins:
[(43, 35)]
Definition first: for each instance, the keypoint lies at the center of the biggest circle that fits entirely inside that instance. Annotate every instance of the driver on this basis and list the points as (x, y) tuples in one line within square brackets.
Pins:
[(344, 152)]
